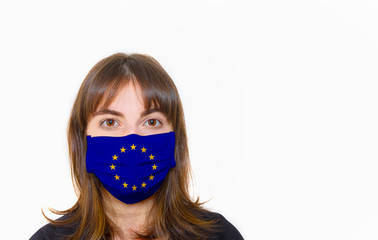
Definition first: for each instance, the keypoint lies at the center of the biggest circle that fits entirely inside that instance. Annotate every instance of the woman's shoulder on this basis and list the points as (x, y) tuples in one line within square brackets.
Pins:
[(50, 231), (227, 230)]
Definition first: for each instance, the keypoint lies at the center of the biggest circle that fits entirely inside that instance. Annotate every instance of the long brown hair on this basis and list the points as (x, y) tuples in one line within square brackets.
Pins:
[(174, 214)]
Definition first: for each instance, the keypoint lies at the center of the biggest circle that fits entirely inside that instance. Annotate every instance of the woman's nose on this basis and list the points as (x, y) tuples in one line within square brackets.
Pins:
[(131, 130)]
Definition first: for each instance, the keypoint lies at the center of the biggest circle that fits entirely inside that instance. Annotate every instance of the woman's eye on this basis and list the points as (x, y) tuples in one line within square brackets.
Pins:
[(153, 122), (109, 123)]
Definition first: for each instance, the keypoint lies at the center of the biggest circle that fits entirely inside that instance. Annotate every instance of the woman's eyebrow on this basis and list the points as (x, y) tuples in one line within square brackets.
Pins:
[(149, 111), (103, 111)]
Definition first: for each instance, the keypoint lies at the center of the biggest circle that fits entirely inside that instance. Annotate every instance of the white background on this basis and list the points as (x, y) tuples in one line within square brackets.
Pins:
[(280, 100)]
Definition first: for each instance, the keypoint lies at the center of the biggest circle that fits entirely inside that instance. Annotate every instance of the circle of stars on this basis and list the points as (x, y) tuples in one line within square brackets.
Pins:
[(118, 178)]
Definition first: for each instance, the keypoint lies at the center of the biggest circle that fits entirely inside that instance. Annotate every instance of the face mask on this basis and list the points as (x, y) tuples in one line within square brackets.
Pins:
[(131, 167)]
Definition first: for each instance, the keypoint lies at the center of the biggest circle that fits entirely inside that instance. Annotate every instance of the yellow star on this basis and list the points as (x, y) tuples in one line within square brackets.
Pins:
[(133, 147), (123, 149), (115, 157), (151, 157), (125, 185), (151, 177), (154, 167), (143, 150), (134, 188), (112, 167), (116, 177), (144, 185)]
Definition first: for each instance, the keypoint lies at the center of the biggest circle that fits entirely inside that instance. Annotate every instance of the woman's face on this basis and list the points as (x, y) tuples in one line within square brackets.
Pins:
[(126, 115)]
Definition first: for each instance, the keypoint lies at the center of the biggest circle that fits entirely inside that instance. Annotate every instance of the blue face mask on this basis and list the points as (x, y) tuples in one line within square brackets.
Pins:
[(131, 167)]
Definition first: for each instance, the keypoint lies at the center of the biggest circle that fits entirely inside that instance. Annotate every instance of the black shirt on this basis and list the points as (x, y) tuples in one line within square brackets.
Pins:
[(229, 232)]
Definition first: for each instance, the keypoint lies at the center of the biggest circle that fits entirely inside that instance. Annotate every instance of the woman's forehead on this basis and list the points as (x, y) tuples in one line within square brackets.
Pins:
[(119, 95), (119, 104), (123, 106), (128, 98)]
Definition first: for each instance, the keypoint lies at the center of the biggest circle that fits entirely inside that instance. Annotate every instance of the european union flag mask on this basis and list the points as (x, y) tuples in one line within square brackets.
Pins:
[(131, 167)]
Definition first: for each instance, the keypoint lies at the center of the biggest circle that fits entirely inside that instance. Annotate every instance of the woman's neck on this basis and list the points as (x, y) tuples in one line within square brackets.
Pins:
[(128, 217)]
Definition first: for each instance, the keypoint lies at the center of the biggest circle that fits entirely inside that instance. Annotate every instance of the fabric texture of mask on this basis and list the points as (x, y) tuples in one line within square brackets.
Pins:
[(132, 167)]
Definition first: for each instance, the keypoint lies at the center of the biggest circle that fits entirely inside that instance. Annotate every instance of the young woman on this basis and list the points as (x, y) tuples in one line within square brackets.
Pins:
[(130, 160)]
